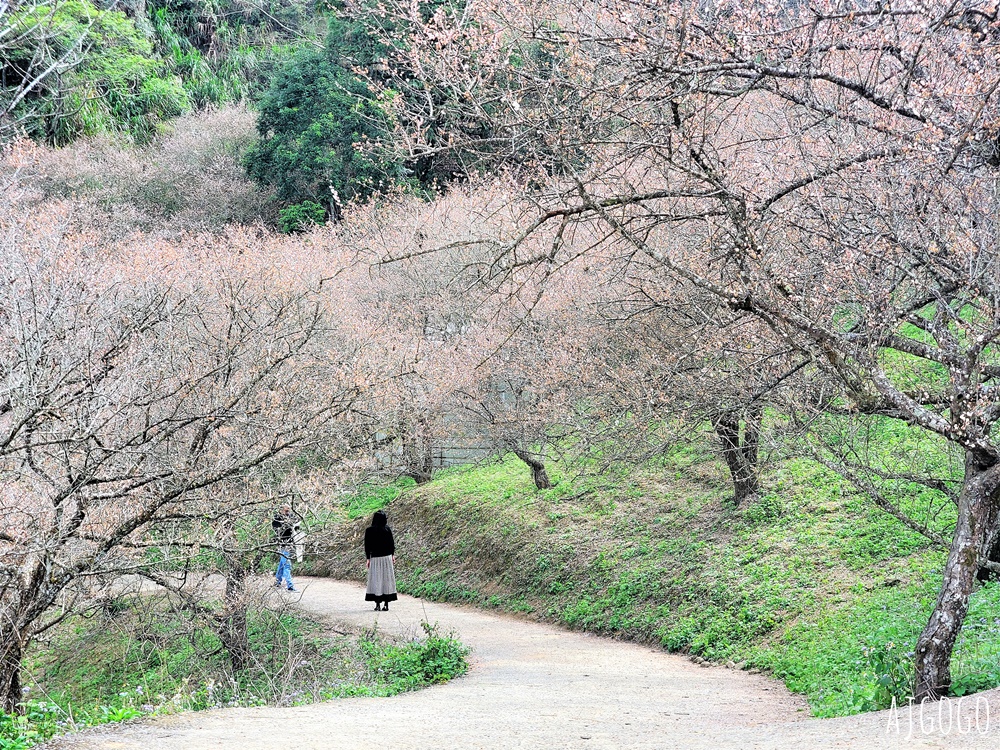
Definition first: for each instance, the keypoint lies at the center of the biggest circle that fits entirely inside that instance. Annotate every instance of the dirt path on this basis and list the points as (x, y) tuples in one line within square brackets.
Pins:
[(535, 686)]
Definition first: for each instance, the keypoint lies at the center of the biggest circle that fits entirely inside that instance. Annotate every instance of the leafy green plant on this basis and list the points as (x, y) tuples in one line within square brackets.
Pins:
[(126, 72), (224, 50), (114, 714), (300, 216), (39, 722), (119, 85), (411, 665), (42, 720), (888, 668)]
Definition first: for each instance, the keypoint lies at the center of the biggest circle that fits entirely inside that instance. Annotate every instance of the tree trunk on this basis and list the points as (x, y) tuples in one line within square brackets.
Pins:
[(418, 452), (992, 555), (420, 477), (740, 452), (538, 473), (978, 512), (233, 630), (11, 652)]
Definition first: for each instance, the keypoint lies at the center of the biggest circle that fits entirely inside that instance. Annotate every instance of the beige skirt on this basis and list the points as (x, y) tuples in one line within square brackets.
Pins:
[(381, 580)]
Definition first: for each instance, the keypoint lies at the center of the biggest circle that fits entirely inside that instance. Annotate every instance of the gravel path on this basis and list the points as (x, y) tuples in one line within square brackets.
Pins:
[(535, 686)]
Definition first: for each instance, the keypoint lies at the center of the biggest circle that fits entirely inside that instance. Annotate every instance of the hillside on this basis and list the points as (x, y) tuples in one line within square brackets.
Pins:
[(729, 293), (81, 68), (810, 582)]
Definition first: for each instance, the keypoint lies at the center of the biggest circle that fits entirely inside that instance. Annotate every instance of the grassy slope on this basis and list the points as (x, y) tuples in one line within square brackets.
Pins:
[(810, 583), (132, 660)]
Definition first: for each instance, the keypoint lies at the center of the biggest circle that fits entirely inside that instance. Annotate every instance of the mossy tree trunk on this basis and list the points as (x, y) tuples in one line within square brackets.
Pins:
[(740, 449), (975, 533), (538, 473)]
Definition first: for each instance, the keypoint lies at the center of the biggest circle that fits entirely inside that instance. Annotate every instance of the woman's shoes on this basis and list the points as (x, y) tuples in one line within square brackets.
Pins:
[(378, 607)]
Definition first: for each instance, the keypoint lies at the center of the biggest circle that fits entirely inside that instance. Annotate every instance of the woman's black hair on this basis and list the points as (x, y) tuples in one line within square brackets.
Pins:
[(379, 520)]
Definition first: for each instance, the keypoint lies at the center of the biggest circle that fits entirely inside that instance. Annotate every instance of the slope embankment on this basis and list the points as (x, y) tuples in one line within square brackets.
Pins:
[(809, 582)]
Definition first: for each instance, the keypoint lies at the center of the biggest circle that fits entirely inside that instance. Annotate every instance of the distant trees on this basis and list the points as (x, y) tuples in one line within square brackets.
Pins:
[(541, 360), (228, 50), (826, 170), (189, 180), (466, 373), (322, 129), (328, 133), (336, 123), (125, 403), (685, 360), (70, 68), (518, 397), (30, 55)]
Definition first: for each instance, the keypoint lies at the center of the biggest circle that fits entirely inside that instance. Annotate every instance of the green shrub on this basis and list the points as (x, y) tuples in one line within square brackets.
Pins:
[(42, 720), (322, 130), (120, 85), (225, 50), (300, 216), (163, 98), (328, 122), (156, 660), (411, 665), (125, 71), (888, 670)]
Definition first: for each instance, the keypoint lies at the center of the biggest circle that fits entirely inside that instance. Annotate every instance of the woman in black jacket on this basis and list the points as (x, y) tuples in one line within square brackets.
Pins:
[(380, 549)]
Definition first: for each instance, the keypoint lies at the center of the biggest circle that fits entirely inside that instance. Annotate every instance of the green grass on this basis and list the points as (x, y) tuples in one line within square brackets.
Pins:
[(369, 498), (810, 582), (132, 660)]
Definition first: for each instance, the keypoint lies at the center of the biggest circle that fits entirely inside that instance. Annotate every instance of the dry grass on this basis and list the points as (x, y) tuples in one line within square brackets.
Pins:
[(189, 179)]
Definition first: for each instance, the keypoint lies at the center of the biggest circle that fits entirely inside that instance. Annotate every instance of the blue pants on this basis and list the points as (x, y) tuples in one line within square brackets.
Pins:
[(284, 571)]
